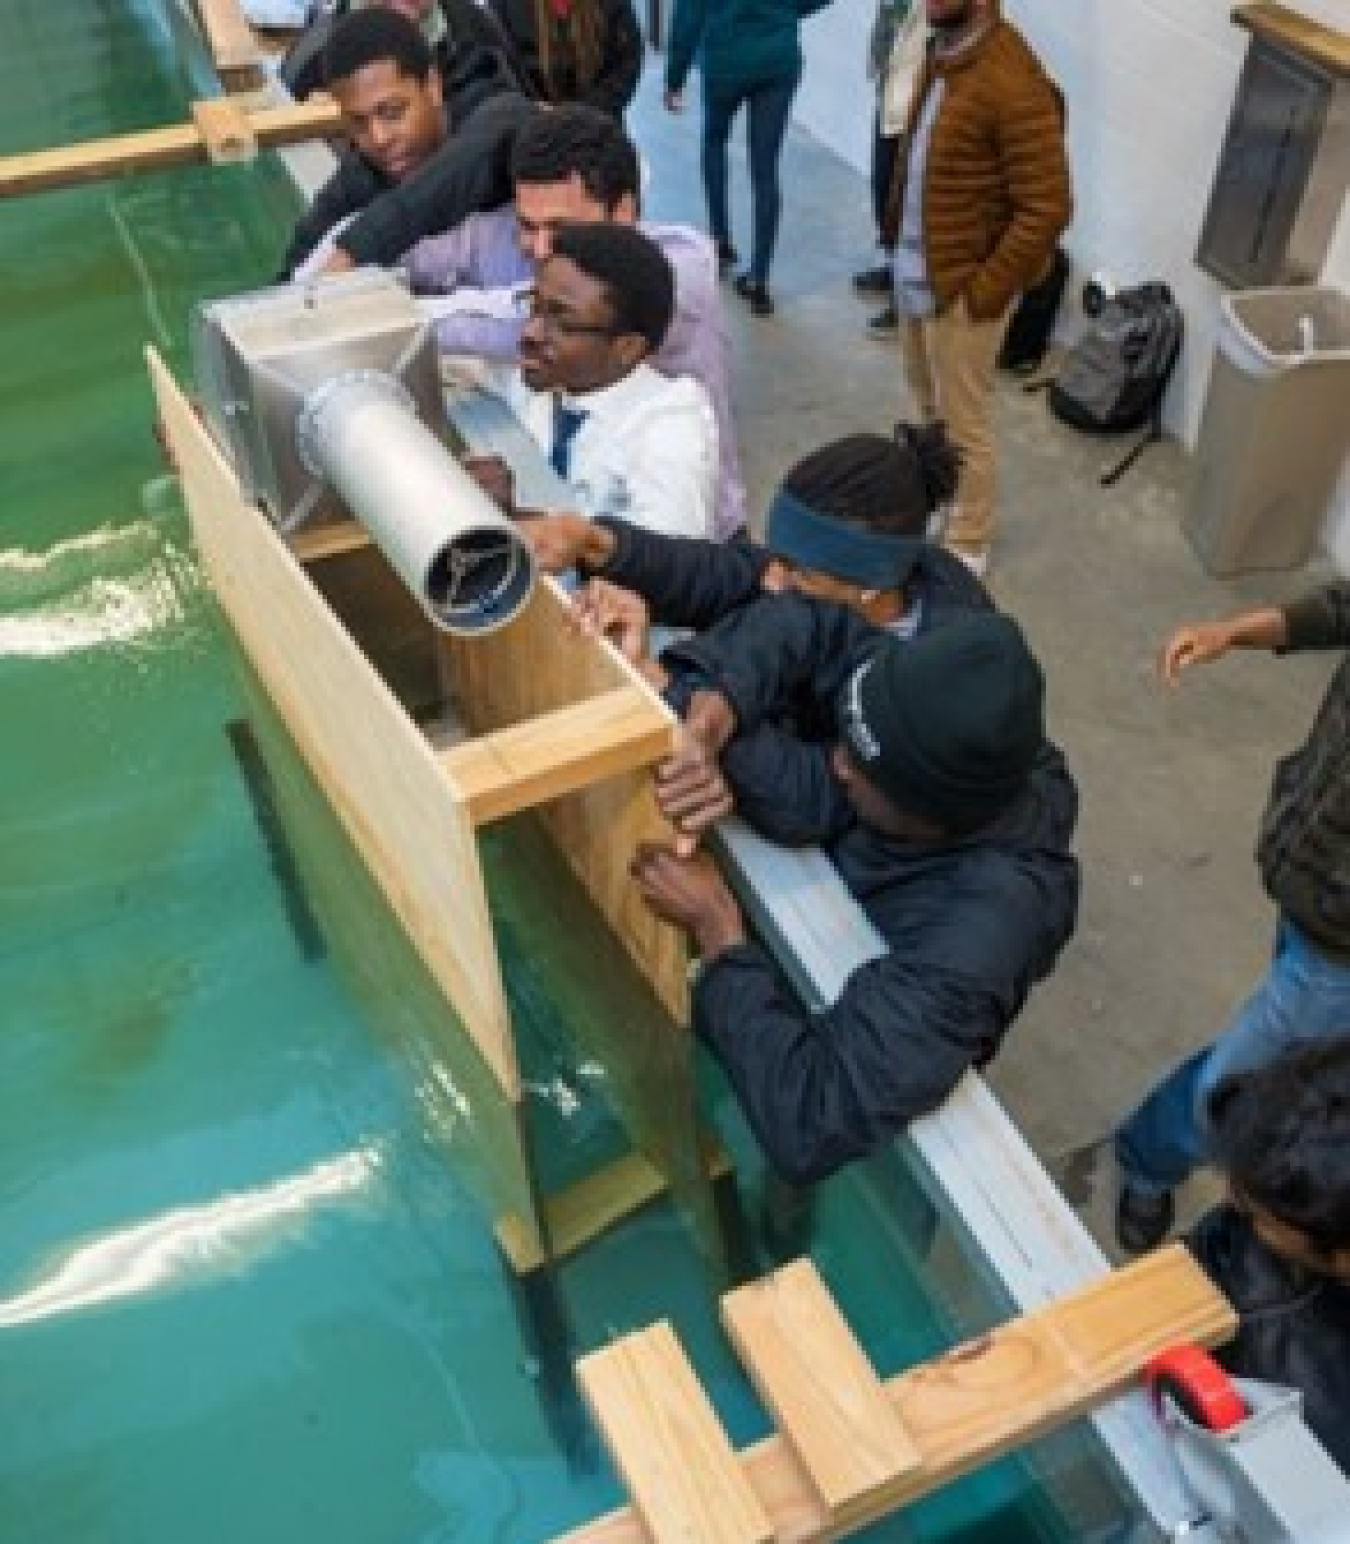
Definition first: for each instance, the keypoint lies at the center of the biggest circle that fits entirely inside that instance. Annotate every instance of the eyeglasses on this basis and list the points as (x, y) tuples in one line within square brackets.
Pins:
[(556, 319)]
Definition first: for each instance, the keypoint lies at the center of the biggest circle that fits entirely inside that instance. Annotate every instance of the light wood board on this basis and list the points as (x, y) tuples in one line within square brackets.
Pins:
[(376, 767), (667, 1443), (234, 48), (36, 170), (816, 1381), (225, 129), (536, 665), (986, 1397), (558, 752)]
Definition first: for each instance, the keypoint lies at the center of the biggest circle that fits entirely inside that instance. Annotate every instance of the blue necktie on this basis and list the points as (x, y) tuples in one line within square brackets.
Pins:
[(566, 422)]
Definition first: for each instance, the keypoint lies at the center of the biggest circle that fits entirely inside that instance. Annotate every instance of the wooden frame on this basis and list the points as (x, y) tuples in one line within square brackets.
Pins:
[(568, 728), (234, 47), (206, 137), (968, 1407)]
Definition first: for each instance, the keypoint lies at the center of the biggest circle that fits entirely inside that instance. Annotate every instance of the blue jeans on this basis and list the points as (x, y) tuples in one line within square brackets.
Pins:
[(767, 105), (1305, 995)]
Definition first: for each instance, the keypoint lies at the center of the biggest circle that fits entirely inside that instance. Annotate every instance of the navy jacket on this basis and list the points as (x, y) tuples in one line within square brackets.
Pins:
[(690, 582), (1294, 1324), (971, 923)]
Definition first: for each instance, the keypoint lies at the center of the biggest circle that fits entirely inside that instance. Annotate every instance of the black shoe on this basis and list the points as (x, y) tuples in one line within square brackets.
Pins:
[(885, 324), (1143, 1220), (873, 281), (756, 292), (727, 258)]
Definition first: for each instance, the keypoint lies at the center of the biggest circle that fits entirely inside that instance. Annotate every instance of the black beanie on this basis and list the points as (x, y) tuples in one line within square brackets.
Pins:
[(948, 725)]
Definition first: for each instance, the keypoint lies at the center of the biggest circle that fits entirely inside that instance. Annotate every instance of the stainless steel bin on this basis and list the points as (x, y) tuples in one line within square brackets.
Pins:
[(1275, 430)]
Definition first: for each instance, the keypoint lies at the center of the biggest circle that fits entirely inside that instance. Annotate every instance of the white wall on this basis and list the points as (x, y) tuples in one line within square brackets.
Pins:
[(1149, 85)]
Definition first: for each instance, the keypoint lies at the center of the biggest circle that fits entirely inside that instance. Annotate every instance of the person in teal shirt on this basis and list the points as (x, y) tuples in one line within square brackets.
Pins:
[(749, 53)]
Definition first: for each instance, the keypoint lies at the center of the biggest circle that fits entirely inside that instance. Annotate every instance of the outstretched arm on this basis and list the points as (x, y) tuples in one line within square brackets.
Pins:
[(1202, 642)]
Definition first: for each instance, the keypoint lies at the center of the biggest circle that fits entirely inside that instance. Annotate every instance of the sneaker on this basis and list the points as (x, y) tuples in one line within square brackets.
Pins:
[(885, 324), (756, 292), (727, 258), (873, 281), (1143, 1221)]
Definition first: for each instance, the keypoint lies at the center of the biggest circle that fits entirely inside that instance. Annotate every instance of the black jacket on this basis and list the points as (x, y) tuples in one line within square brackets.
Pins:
[(470, 172), (620, 64), (689, 582), (971, 923), (1294, 1324)]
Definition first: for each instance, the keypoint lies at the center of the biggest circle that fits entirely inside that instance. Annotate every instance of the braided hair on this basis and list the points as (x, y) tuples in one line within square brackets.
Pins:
[(889, 483)]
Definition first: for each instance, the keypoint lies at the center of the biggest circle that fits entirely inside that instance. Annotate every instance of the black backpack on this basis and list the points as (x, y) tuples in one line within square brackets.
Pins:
[(1028, 334), (1114, 377)]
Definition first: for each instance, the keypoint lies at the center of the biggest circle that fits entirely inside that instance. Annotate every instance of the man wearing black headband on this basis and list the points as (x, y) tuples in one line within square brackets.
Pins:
[(948, 815)]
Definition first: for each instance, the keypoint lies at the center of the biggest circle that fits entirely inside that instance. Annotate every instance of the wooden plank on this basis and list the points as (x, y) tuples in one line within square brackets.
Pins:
[(667, 1443), (175, 145), (373, 763), (821, 1390), (1325, 46), (591, 1206), (229, 36), (314, 543), (993, 1394), (557, 753), (540, 663), (225, 130)]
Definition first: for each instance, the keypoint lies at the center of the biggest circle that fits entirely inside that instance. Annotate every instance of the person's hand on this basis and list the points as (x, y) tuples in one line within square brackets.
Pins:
[(607, 610), (1189, 646), (674, 101), (494, 477), (337, 261), (690, 893), (691, 792), (560, 542)]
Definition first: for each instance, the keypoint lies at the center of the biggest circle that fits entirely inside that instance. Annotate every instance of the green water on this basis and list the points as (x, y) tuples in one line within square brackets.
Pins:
[(248, 1284)]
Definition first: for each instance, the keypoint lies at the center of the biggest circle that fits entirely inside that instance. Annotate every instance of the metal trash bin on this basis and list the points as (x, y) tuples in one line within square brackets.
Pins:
[(1275, 430)]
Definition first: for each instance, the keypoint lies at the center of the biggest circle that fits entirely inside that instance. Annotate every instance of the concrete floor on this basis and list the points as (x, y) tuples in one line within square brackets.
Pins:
[(1174, 926)]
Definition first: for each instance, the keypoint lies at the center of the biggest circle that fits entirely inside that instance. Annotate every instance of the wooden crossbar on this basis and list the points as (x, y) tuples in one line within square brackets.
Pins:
[(556, 753), (590, 1206), (234, 48), (816, 1381), (995, 1393), (37, 170), (225, 130), (676, 1460)]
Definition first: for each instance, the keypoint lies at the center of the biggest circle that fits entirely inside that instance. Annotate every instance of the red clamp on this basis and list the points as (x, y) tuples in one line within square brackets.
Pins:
[(1197, 1385)]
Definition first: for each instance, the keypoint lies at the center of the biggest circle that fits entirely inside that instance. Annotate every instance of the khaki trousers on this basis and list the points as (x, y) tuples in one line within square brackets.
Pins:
[(949, 368)]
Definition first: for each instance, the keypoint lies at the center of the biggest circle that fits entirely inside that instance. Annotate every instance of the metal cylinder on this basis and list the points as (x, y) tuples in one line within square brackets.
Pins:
[(459, 555)]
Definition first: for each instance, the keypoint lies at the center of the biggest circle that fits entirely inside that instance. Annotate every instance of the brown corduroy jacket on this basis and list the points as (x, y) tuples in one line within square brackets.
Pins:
[(996, 184)]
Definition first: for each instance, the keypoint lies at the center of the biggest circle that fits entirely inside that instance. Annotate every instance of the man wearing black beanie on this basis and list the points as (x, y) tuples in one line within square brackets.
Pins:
[(947, 814)]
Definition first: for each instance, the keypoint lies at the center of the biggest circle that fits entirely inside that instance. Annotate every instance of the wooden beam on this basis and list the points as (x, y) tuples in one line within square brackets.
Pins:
[(984, 1398), (816, 1381), (36, 170), (225, 130), (667, 1443), (574, 1216), (314, 543), (536, 665), (234, 48), (557, 753)]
